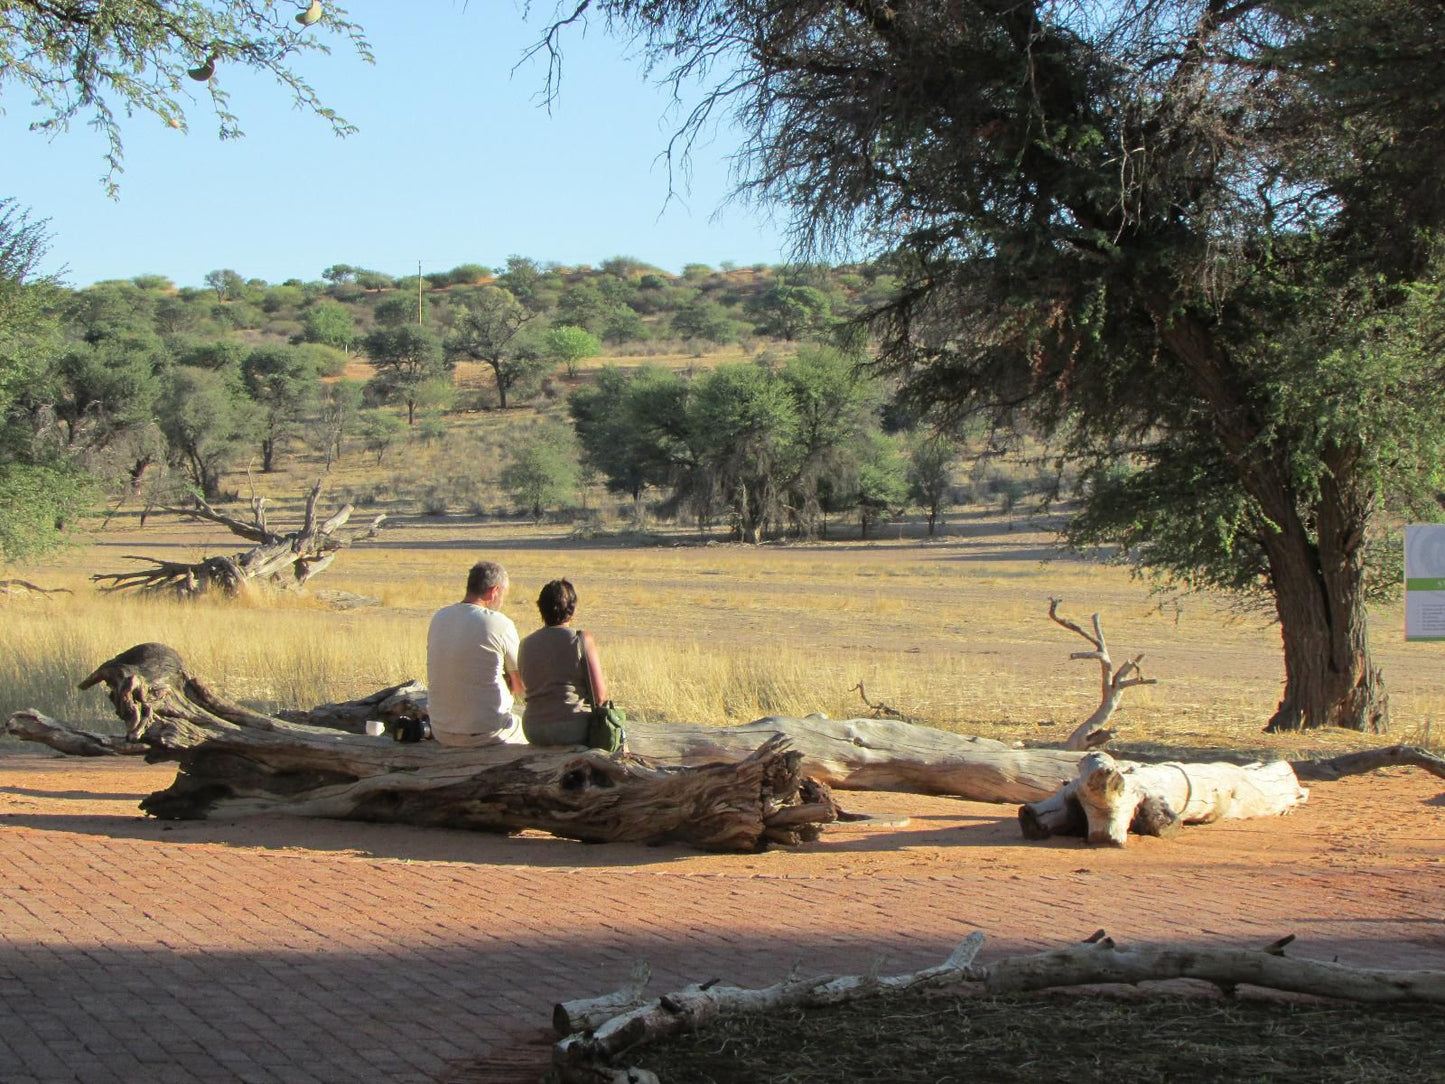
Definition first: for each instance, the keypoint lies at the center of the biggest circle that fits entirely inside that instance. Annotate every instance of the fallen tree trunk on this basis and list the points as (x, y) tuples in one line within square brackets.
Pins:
[(851, 754), (1108, 799), (595, 1051), (275, 559), (237, 762)]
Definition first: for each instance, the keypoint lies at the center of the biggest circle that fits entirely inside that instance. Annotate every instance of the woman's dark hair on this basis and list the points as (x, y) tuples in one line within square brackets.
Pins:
[(557, 602)]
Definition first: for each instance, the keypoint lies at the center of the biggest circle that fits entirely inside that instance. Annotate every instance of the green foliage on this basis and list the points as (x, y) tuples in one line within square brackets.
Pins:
[(763, 445), (403, 309), (41, 492), (704, 320), (570, 346), (791, 312), (541, 469), (219, 355), (327, 361), (467, 274), (282, 382), (103, 62), (582, 306), (338, 406), (329, 322), (207, 420), (228, 284), (523, 280), (930, 474), (380, 431), (622, 324), (41, 502), (406, 357), (485, 330), (882, 479)]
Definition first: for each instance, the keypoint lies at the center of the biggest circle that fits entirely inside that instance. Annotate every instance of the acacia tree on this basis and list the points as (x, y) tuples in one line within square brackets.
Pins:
[(541, 469), (283, 384), (99, 61), (407, 358), (1146, 228), (484, 331), (930, 474)]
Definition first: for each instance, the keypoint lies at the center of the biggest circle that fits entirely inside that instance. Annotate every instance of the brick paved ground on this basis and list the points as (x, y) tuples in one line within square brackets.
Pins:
[(277, 950)]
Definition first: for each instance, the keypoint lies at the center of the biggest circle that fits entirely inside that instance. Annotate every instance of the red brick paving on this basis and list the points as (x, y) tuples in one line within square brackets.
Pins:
[(282, 950)]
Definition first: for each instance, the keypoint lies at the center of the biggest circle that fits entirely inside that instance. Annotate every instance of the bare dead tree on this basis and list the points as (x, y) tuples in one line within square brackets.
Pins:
[(1092, 732), (276, 559)]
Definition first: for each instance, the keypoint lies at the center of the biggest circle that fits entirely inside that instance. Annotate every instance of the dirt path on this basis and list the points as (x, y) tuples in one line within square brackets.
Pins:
[(280, 950)]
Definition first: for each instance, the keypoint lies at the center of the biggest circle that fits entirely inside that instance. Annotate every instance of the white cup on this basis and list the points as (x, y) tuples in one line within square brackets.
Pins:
[(375, 728)]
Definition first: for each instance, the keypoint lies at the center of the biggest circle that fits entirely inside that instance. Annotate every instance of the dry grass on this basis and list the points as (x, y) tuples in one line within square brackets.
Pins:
[(952, 633)]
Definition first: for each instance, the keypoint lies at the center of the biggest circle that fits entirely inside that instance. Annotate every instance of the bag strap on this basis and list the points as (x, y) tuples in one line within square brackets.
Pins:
[(587, 668)]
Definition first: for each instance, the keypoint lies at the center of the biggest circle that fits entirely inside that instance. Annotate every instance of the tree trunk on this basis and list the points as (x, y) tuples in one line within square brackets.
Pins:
[(1330, 679), (1317, 583), (501, 383)]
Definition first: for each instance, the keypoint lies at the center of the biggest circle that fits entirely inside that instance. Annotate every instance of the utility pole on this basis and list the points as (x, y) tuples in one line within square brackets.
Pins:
[(418, 293)]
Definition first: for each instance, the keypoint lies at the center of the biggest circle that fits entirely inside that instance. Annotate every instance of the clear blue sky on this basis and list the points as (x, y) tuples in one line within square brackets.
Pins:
[(455, 163)]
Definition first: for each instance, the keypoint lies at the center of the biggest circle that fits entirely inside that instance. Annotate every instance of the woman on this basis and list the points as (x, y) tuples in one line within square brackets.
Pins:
[(561, 672)]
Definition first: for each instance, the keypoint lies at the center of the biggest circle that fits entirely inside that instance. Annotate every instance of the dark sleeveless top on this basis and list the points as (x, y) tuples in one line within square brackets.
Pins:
[(554, 671)]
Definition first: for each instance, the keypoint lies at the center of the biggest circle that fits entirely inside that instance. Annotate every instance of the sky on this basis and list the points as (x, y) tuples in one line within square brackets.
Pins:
[(455, 162)]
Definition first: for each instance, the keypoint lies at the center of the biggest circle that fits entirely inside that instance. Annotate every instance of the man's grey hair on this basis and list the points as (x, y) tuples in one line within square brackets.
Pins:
[(484, 576)]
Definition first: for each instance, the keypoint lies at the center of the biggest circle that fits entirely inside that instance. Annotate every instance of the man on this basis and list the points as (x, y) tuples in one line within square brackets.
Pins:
[(471, 664)]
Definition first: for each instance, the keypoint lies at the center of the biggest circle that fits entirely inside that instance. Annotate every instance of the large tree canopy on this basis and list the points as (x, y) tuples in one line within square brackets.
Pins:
[(101, 61), (1184, 238)]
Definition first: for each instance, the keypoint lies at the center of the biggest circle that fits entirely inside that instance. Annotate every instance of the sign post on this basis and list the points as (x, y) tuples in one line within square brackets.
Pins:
[(1425, 581)]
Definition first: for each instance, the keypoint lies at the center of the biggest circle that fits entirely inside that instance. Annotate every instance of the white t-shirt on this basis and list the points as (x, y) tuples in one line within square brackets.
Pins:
[(469, 652)]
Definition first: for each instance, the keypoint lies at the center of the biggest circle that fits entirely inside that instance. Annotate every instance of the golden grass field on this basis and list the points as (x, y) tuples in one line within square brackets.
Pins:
[(953, 632)]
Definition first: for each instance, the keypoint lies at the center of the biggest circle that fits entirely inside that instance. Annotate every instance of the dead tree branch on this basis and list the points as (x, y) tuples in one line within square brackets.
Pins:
[(1093, 732)]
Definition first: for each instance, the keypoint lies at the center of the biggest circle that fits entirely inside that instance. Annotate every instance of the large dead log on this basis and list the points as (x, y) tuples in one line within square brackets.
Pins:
[(1109, 799), (851, 754), (276, 559), (237, 762)]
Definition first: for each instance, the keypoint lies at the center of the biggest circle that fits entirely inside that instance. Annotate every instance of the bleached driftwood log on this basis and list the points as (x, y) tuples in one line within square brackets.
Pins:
[(1093, 731), (593, 1056), (279, 559), (1103, 961), (237, 762), (1108, 799), (583, 1055)]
